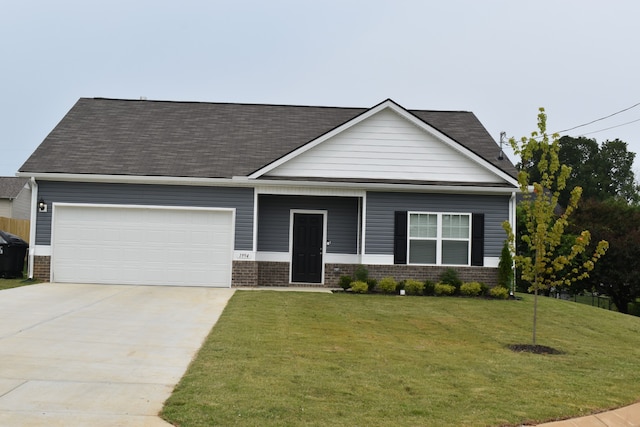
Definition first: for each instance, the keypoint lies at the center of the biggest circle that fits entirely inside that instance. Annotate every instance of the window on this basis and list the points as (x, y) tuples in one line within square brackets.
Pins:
[(439, 238)]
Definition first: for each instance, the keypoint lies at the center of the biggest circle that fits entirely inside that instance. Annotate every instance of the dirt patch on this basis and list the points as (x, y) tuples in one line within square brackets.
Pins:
[(536, 349)]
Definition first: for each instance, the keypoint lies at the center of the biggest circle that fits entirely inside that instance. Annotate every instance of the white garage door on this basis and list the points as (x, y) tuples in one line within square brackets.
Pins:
[(142, 245)]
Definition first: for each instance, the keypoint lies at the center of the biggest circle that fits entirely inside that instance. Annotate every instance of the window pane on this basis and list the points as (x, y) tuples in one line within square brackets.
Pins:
[(455, 252), (423, 225), (422, 252), (455, 226)]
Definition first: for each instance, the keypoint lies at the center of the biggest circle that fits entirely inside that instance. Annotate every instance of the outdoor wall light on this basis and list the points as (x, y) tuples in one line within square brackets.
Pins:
[(42, 206)]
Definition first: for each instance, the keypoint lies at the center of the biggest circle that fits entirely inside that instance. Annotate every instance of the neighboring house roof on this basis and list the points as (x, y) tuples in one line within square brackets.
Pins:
[(210, 140), (10, 187)]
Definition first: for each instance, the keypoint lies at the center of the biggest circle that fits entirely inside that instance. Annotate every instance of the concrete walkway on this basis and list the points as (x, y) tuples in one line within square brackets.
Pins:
[(628, 416), (98, 355)]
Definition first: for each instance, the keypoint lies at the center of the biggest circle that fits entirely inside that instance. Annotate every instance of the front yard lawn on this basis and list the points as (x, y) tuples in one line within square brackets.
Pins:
[(291, 359), (14, 283)]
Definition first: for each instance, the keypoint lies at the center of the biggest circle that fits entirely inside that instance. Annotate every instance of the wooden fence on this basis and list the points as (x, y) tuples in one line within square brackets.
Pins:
[(19, 227)]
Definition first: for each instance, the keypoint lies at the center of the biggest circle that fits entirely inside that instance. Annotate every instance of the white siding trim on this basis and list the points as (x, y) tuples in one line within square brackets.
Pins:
[(490, 261), (342, 259), (328, 258), (298, 190), (244, 255), (42, 250), (265, 256), (378, 259)]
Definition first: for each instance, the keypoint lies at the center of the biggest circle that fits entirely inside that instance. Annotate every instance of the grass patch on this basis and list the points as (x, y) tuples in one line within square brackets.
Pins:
[(289, 359), (15, 283)]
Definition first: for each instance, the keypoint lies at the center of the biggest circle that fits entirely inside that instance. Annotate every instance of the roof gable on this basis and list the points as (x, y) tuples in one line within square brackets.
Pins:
[(386, 143), (11, 187)]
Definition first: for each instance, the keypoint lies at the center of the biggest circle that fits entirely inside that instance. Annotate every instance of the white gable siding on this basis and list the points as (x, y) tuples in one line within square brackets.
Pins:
[(5, 208), (386, 146)]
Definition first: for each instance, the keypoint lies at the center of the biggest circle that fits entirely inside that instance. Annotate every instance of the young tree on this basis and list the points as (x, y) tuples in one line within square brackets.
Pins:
[(543, 266)]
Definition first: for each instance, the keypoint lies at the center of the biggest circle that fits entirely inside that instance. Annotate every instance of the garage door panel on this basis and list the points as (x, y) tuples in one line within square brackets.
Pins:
[(142, 245)]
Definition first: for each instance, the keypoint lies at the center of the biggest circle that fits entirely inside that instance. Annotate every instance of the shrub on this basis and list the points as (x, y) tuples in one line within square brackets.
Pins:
[(359, 287), (499, 292), (345, 282), (371, 283), (485, 289), (388, 285), (441, 289), (413, 287), (429, 287), (471, 289), (505, 267), (361, 274), (450, 277)]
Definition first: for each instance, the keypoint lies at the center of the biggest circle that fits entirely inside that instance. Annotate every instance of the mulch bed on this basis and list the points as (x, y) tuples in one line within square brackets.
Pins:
[(536, 349)]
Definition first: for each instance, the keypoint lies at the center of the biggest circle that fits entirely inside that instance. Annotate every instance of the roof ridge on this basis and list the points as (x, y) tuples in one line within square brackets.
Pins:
[(256, 104)]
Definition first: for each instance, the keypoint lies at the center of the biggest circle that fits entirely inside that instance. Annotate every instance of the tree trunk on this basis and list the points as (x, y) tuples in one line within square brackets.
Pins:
[(535, 312)]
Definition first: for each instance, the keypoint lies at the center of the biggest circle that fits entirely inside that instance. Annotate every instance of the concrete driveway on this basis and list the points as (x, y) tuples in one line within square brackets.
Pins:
[(98, 355)]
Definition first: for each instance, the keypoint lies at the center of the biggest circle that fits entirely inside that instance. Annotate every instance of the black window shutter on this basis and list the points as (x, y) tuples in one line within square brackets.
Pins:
[(477, 239), (400, 238)]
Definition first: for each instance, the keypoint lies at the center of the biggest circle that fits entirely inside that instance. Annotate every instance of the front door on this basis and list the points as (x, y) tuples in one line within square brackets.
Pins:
[(306, 263)]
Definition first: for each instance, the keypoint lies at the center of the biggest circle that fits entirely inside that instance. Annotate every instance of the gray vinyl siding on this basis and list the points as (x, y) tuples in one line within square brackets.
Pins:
[(274, 214), (381, 208), (160, 195)]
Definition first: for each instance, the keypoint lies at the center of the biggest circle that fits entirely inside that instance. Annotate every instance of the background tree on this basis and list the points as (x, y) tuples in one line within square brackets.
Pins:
[(617, 274), (604, 172), (542, 266)]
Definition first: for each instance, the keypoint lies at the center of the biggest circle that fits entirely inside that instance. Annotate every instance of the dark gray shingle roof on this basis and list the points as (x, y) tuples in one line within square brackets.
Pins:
[(11, 186), (207, 140)]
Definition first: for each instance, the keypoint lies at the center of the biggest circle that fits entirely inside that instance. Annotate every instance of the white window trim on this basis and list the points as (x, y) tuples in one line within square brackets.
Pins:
[(439, 239)]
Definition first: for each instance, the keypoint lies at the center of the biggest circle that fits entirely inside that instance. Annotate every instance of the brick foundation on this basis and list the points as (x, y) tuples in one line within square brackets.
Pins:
[(253, 273), (42, 268), (277, 273), (244, 273), (273, 273)]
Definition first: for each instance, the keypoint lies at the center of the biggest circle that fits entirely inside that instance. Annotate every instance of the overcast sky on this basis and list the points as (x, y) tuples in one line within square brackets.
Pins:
[(500, 59)]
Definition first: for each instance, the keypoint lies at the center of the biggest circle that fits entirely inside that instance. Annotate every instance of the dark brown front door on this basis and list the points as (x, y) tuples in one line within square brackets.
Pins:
[(306, 264)]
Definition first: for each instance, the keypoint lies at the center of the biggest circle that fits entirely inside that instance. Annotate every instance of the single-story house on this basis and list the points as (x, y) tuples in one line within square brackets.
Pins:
[(15, 197), (224, 194)]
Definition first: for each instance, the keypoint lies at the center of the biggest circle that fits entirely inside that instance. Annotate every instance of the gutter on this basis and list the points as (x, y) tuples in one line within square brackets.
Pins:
[(32, 225)]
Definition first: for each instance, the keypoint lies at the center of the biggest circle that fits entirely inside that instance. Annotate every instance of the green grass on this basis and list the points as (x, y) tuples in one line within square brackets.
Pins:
[(15, 283), (291, 359)]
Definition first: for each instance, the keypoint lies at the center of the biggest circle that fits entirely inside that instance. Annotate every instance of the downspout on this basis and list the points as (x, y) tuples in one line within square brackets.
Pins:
[(513, 204), (32, 224)]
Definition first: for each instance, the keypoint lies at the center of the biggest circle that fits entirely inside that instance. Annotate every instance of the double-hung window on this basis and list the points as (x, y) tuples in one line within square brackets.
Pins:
[(439, 238)]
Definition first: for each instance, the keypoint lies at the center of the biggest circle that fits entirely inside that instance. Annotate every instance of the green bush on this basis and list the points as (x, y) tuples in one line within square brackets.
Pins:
[(441, 289), (359, 287), (471, 289), (361, 274), (505, 267), (345, 282), (413, 287), (450, 277), (388, 285), (485, 289), (429, 287), (499, 292), (371, 284)]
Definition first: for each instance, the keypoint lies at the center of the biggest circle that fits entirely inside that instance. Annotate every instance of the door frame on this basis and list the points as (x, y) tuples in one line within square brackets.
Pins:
[(324, 214)]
